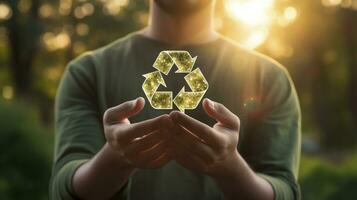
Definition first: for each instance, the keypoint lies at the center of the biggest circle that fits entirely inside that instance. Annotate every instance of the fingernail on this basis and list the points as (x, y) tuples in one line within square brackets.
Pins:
[(210, 103), (133, 102), (137, 99), (173, 114)]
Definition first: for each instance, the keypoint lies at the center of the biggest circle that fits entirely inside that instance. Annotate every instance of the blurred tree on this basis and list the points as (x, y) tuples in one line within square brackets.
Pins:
[(24, 32), (349, 17)]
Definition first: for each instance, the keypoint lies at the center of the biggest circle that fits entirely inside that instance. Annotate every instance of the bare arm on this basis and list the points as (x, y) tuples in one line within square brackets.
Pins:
[(128, 147)]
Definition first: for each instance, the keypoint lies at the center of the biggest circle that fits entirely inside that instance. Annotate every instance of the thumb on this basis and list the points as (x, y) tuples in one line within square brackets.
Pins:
[(221, 114), (123, 111)]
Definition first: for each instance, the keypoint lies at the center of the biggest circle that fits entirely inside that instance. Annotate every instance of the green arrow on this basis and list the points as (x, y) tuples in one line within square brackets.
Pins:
[(187, 100), (182, 60), (152, 82)]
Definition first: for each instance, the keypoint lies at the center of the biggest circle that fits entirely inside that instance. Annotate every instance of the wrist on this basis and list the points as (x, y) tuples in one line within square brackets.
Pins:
[(238, 178), (113, 158), (102, 176), (229, 168)]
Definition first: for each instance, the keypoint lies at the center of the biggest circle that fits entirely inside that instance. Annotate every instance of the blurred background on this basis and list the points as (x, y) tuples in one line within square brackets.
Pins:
[(315, 39)]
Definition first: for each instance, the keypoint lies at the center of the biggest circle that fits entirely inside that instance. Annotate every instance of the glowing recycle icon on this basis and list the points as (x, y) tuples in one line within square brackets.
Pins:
[(184, 100)]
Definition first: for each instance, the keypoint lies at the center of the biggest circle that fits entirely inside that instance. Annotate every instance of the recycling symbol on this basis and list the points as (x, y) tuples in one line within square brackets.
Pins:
[(184, 100)]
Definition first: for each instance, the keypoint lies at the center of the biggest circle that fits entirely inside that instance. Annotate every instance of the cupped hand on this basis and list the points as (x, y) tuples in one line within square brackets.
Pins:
[(200, 147), (142, 144)]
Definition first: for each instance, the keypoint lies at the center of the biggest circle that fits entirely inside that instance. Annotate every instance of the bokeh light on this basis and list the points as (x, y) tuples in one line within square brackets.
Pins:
[(113, 7), (82, 29), (350, 4), (5, 12), (24, 6), (65, 7), (46, 11), (54, 42), (7, 92)]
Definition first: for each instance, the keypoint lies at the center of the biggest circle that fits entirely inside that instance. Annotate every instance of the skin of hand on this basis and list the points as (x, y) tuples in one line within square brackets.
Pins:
[(129, 146), (200, 147), (213, 150), (149, 144), (142, 144)]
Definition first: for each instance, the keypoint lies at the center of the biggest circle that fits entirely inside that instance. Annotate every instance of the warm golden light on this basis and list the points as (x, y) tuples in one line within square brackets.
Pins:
[(290, 13), (113, 7), (82, 29), (351, 4), (88, 9), (331, 2), (278, 48), (65, 7), (255, 38), (7, 92), (54, 42), (255, 16), (79, 47), (5, 12), (46, 10), (251, 12)]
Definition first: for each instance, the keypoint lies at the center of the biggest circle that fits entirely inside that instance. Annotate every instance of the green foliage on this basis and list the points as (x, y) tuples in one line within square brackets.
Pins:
[(25, 158), (321, 179)]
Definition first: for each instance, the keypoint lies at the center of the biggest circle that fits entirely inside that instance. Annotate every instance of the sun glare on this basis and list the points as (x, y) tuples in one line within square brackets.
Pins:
[(255, 38), (255, 15), (250, 12)]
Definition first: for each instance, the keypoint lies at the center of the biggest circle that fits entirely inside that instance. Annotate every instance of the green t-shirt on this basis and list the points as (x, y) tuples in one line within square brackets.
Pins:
[(254, 87)]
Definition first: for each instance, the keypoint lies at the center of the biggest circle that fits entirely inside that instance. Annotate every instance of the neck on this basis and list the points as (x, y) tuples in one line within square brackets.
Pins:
[(181, 30)]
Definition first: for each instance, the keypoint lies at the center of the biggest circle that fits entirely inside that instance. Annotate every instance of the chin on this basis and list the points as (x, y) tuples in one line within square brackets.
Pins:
[(182, 7)]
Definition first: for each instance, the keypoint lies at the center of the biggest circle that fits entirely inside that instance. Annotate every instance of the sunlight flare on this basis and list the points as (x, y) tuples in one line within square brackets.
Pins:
[(256, 17), (250, 12)]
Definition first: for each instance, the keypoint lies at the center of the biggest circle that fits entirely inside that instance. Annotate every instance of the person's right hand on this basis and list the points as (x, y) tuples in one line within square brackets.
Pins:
[(140, 145)]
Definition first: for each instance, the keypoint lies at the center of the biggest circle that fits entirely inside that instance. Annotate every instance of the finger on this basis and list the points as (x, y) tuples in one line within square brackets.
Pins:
[(122, 111), (159, 162), (196, 127), (145, 143), (139, 129), (220, 113), (174, 144), (194, 144), (192, 162), (143, 158)]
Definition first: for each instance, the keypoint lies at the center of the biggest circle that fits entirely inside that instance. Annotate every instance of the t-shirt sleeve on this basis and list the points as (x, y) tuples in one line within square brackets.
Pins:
[(271, 143), (78, 128)]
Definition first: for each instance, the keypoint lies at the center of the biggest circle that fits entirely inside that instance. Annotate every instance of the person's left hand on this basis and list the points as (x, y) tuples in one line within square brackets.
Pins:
[(200, 147)]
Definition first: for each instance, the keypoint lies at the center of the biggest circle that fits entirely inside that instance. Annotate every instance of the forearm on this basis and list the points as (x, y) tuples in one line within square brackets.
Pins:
[(102, 176), (237, 179)]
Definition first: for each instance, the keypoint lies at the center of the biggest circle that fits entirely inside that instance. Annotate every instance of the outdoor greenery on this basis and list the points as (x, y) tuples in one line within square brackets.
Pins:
[(26, 152), (315, 40), (321, 179)]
